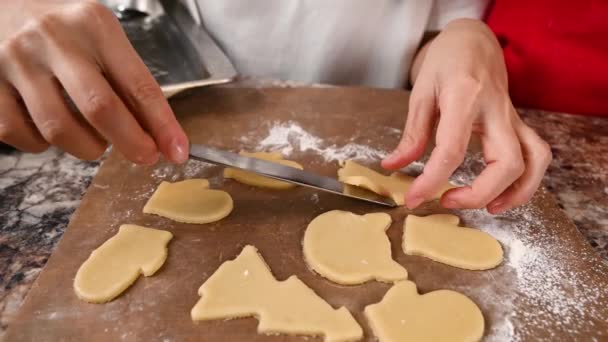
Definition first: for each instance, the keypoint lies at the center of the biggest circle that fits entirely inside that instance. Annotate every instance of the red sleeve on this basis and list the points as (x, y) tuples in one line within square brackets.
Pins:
[(556, 53)]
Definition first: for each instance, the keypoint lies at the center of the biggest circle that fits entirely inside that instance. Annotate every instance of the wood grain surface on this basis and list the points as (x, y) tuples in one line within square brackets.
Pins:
[(158, 308)]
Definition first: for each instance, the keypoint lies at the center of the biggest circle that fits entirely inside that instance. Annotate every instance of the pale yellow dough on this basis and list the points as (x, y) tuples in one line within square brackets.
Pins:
[(115, 265), (351, 249), (245, 287), (394, 186), (443, 315), (261, 181), (189, 201), (439, 237)]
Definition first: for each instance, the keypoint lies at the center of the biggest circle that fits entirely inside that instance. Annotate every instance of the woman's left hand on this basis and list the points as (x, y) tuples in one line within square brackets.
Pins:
[(460, 80)]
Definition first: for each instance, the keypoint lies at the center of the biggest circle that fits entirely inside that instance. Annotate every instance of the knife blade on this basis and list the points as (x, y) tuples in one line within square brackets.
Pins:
[(285, 173)]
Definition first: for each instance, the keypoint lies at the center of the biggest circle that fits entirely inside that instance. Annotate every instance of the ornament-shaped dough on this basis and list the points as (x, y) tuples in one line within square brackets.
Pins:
[(439, 237), (351, 249), (443, 315), (189, 201), (245, 287), (394, 186), (261, 181), (118, 262)]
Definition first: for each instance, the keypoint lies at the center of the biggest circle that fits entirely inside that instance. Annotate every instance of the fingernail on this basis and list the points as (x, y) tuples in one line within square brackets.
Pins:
[(450, 204), (497, 208), (391, 156), (415, 202), (178, 152)]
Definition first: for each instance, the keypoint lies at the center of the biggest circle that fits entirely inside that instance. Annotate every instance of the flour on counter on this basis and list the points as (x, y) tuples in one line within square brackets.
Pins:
[(542, 281), (287, 137)]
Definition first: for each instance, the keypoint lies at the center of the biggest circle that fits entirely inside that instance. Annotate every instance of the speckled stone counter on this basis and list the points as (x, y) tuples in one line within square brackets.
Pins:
[(38, 193)]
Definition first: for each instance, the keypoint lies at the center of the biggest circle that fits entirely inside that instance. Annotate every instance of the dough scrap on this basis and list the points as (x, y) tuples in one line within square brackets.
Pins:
[(439, 238), (350, 249), (189, 201), (394, 186), (443, 315), (118, 262), (261, 181), (245, 287)]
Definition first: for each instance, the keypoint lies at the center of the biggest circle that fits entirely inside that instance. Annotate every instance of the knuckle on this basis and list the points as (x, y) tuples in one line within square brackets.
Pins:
[(145, 92), (97, 105), (53, 131), (545, 154), (88, 10), (471, 84), (454, 155), (515, 166)]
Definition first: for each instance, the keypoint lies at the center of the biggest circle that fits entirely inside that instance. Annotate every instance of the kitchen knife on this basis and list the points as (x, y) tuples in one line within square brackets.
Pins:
[(285, 173)]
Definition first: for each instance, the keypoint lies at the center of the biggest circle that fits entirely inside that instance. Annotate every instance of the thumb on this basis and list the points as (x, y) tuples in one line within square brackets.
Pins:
[(418, 128)]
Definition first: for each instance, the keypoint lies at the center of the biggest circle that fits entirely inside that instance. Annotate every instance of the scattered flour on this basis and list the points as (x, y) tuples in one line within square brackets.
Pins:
[(287, 137), (555, 296)]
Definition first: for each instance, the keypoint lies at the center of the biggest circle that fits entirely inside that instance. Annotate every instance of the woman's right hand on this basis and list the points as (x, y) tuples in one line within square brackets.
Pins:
[(79, 46)]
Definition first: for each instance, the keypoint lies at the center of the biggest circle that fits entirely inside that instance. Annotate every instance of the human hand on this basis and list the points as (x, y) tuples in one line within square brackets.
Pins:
[(461, 82), (79, 46)]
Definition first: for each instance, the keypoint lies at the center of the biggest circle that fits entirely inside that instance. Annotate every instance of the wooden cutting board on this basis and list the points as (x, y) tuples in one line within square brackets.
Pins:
[(551, 286)]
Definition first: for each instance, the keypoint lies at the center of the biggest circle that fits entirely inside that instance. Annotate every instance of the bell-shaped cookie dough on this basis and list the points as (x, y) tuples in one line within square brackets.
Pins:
[(438, 237), (261, 181), (245, 287), (115, 265), (351, 249), (443, 315), (394, 186), (189, 201)]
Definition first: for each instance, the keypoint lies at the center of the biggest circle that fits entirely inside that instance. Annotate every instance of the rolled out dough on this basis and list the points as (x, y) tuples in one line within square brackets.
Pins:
[(245, 287), (394, 186), (351, 249), (443, 315), (118, 262), (189, 201), (439, 237), (261, 181)]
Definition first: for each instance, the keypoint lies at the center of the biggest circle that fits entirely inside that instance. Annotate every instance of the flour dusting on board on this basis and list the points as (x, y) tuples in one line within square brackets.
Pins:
[(542, 282), (287, 137)]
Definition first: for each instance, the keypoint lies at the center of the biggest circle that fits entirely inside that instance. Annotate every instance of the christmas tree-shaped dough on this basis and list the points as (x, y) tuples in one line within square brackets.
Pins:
[(261, 181), (189, 201), (118, 262), (443, 315), (439, 237), (351, 249), (245, 287), (394, 186)]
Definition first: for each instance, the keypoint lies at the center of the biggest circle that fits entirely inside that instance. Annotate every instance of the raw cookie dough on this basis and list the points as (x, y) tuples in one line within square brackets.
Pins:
[(189, 201), (115, 265), (394, 186), (351, 249), (439, 237), (443, 315), (261, 181), (244, 287)]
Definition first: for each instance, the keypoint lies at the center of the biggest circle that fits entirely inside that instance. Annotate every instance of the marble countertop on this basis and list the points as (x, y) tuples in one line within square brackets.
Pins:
[(38, 194)]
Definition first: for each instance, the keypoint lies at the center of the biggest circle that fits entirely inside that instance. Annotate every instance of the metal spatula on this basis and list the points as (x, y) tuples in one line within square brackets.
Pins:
[(285, 173)]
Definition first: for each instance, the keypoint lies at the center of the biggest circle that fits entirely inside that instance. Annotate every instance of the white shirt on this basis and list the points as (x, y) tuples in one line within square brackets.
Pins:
[(358, 42)]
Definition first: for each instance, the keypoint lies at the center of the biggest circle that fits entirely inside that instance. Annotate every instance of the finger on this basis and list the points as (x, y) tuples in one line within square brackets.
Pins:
[(143, 96), (103, 109), (418, 127), (56, 123), (504, 165), (451, 142), (537, 156), (16, 128)]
